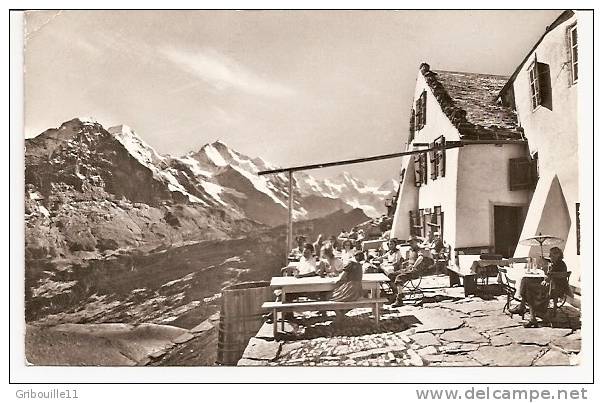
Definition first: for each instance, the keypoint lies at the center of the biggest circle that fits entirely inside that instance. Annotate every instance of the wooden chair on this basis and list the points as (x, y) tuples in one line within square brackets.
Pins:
[(484, 273), (510, 288), (558, 297)]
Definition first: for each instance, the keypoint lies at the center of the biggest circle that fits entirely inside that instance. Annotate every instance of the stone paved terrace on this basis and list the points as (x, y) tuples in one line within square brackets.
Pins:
[(448, 330)]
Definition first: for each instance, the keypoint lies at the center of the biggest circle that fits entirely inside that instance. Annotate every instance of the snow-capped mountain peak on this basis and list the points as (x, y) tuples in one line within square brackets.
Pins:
[(138, 148), (218, 176)]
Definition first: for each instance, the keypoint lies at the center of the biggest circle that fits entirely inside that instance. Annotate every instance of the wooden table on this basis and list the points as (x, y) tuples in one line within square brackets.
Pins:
[(370, 281)]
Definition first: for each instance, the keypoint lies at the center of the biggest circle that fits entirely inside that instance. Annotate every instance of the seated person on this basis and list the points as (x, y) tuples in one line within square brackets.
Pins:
[(559, 287), (329, 265), (437, 244), (392, 258), (349, 285), (306, 267), (536, 294), (297, 252), (413, 266), (347, 253), (334, 243)]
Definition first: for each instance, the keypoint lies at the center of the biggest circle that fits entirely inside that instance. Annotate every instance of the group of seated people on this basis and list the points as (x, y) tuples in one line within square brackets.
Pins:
[(345, 257), (402, 266)]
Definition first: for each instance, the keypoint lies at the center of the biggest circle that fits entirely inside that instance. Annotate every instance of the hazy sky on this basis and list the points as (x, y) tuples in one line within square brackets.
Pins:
[(292, 87)]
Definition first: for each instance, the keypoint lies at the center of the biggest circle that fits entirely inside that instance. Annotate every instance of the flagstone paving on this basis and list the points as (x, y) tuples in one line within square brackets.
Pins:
[(448, 330)]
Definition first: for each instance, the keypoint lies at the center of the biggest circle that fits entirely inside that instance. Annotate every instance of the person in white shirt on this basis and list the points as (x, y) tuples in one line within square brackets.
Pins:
[(390, 260), (347, 253), (307, 263)]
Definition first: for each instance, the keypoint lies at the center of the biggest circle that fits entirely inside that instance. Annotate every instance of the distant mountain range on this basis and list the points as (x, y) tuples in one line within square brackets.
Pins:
[(90, 189)]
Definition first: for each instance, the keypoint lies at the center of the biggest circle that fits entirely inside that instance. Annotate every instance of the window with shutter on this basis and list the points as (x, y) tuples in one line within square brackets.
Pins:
[(411, 135), (420, 111), (418, 170), (441, 144), (416, 223), (424, 167), (573, 51), (521, 174), (418, 115), (424, 108), (540, 85), (433, 163), (436, 221), (437, 158), (534, 87), (422, 223)]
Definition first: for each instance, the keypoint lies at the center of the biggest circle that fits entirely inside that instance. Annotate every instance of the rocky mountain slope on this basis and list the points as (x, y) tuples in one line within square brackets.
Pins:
[(91, 190)]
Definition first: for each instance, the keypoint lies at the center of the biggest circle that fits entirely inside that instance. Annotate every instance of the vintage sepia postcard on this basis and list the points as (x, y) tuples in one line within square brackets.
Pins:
[(310, 188)]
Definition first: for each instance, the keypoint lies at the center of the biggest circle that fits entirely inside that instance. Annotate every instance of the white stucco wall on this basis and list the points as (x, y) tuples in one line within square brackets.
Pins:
[(483, 182), (547, 215), (554, 133), (442, 191), (408, 201)]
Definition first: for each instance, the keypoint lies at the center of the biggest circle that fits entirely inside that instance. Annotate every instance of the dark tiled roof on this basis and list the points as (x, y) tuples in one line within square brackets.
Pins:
[(470, 101)]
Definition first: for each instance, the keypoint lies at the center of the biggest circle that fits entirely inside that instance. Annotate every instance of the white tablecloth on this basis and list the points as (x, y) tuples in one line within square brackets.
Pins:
[(519, 272)]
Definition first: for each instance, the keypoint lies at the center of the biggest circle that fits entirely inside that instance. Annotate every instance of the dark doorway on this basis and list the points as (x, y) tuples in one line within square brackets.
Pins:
[(508, 221)]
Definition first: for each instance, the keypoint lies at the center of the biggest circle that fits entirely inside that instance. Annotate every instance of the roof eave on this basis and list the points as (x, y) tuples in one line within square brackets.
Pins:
[(564, 16)]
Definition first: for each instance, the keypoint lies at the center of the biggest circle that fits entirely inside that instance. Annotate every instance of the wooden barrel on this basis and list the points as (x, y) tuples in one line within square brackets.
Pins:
[(241, 317)]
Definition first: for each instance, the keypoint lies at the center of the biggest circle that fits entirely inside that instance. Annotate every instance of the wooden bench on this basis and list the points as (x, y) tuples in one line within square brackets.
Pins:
[(276, 307)]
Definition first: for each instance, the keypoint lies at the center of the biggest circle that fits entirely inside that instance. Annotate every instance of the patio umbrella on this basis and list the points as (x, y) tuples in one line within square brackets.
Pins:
[(541, 240)]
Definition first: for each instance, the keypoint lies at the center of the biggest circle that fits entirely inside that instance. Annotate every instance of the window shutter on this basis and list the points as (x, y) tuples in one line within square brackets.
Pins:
[(418, 117), (442, 224), (441, 144), (424, 167), (544, 85), (423, 108), (433, 163), (520, 174), (412, 126), (420, 111), (421, 230), (418, 172)]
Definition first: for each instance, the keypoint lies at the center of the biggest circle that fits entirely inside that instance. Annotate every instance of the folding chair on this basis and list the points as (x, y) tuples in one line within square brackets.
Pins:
[(510, 288), (558, 297)]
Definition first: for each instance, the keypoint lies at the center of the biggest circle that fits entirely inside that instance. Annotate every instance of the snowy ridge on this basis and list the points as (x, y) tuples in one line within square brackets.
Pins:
[(214, 156), (147, 156), (205, 173), (260, 184), (194, 166)]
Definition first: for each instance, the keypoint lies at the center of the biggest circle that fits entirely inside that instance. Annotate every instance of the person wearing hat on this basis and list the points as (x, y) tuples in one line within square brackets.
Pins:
[(412, 267)]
